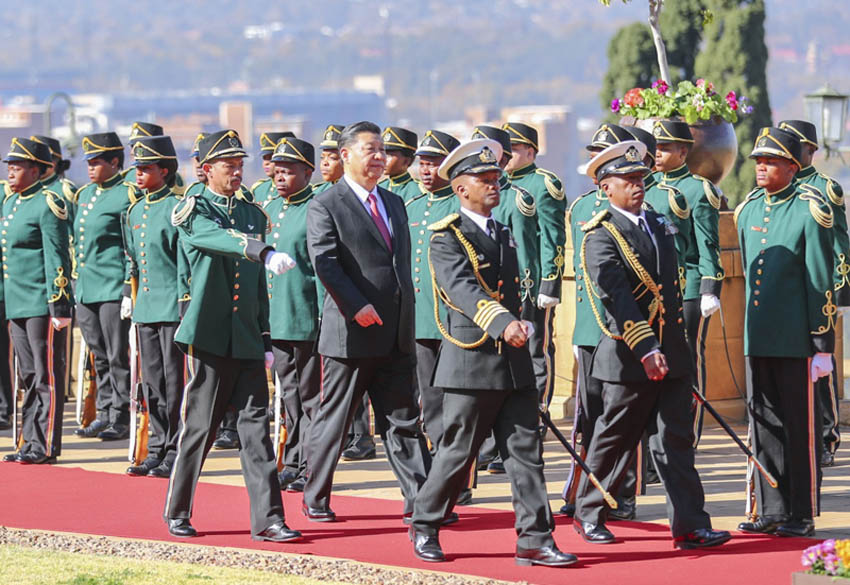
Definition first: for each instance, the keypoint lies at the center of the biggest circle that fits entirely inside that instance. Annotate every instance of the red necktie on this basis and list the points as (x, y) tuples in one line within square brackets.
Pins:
[(379, 221)]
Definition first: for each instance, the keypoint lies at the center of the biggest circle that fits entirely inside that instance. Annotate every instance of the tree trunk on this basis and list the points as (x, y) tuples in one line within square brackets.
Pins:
[(655, 7)]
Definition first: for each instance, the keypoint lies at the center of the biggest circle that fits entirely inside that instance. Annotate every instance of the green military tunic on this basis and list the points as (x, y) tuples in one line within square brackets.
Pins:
[(99, 239), (786, 239), (323, 186), (156, 258), (586, 331), (841, 246), (518, 211), (294, 297), (404, 186), (422, 212), (36, 263), (263, 190), (672, 204), (703, 271), (551, 221), (223, 239)]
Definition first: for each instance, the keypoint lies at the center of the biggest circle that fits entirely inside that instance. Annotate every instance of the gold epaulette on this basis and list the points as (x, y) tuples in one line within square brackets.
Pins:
[(710, 193), (183, 210), (80, 190), (258, 183), (595, 221), (525, 205), (751, 196), (552, 182), (833, 190), (69, 190), (444, 223), (133, 193), (677, 201), (818, 206), (56, 204), (7, 192)]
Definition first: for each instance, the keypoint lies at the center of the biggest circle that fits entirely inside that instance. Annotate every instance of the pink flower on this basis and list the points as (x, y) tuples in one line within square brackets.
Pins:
[(660, 86), (700, 82), (709, 88), (732, 100), (615, 105)]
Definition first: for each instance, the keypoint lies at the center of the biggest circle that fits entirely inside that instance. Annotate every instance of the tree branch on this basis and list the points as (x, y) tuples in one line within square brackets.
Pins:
[(655, 7)]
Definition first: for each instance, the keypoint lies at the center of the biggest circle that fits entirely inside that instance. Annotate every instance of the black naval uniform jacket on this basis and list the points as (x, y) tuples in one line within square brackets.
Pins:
[(463, 261), (624, 269)]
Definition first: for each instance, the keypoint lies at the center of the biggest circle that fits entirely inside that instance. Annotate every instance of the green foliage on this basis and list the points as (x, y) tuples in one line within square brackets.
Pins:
[(692, 101), (735, 55), (631, 62), (119, 578)]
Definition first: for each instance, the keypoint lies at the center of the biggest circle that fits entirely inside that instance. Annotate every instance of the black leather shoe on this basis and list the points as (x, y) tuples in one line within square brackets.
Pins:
[(162, 470), (226, 440), (702, 538), (464, 498), (298, 485), (181, 528), (801, 527), (568, 510), (91, 431), (360, 449), (451, 518), (12, 457), (763, 525), (651, 477), (278, 532), (593, 533), (114, 432), (496, 466), (426, 548), (318, 514), (34, 458), (626, 509), (286, 477), (5, 423), (143, 468), (827, 459), (548, 556)]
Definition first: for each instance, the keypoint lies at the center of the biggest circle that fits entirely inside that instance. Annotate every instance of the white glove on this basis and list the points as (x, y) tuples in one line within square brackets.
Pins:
[(545, 301), (279, 262), (708, 305), (530, 326), (60, 322), (821, 366), (126, 307), (269, 359)]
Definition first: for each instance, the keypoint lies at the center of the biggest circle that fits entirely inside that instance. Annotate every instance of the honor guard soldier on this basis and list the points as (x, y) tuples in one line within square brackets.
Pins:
[(37, 296), (586, 331), (629, 259), (518, 211), (101, 270), (264, 188), (786, 229), (551, 204), (400, 146), (294, 300), (157, 266), (484, 366), (197, 168), (703, 271), (142, 130), (330, 165), (54, 177), (225, 334), (827, 387), (7, 395)]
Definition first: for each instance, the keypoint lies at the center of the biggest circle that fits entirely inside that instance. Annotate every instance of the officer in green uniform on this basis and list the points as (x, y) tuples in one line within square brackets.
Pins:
[(294, 300), (141, 130), (548, 193), (400, 146), (264, 188), (225, 333), (197, 168), (330, 164), (101, 271), (157, 263), (785, 229), (54, 177), (518, 211), (827, 387), (37, 297), (6, 388), (703, 271)]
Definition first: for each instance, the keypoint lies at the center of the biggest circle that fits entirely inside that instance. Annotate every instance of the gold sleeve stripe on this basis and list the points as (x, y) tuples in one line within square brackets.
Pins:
[(634, 333), (487, 313)]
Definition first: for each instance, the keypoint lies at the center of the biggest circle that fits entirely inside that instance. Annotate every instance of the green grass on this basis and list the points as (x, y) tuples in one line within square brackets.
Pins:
[(28, 566)]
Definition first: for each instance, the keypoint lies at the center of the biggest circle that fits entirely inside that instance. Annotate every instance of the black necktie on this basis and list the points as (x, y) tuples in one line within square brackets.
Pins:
[(645, 228), (491, 227)]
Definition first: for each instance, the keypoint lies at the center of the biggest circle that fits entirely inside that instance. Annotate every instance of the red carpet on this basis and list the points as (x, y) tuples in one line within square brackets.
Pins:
[(370, 530)]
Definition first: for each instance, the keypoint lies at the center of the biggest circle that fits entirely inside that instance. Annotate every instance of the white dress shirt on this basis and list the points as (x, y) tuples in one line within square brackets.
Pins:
[(363, 195), (479, 220)]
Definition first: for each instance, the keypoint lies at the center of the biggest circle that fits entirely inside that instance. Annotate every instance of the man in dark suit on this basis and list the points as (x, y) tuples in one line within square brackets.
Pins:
[(642, 359), (484, 366), (360, 248)]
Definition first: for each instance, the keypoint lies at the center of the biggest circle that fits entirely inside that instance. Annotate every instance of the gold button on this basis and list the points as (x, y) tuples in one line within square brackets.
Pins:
[(516, 278), (758, 282), (82, 229), (142, 244), (271, 285), (764, 240), (579, 299), (679, 320), (761, 261), (419, 242), (766, 220), (236, 286), (144, 280), (416, 279), (756, 303), (235, 309), (144, 270), (142, 254), (235, 297), (143, 261), (579, 287), (756, 292), (415, 269), (146, 289), (417, 290), (236, 275), (270, 295), (144, 216), (419, 259), (758, 271), (767, 209)]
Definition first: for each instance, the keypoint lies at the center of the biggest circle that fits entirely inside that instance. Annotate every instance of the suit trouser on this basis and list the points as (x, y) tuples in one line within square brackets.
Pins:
[(162, 383), (827, 392), (298, 372), (662, 409), (216, 382), (108, 338), (6, 398), (696, 327), (430, 397), (361, 423), (389, 383), (40, 350), (786, 435), (470, 416), (542, 347)]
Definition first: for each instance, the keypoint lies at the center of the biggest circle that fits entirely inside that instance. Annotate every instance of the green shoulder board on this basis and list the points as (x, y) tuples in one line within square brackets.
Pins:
[(444, 223)]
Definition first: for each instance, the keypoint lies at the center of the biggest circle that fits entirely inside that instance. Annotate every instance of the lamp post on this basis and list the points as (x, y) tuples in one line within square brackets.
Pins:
[(827, 110)]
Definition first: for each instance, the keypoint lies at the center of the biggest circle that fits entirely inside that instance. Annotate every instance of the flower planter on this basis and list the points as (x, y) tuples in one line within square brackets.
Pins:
[(801, 578)]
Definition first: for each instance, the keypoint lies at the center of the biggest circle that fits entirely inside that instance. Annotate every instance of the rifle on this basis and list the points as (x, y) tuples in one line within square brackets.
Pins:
[(139, 414)]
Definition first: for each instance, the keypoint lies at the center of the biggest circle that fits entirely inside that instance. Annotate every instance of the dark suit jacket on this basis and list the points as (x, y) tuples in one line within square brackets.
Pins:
[(352, 260), (494, 365), (627, 300)]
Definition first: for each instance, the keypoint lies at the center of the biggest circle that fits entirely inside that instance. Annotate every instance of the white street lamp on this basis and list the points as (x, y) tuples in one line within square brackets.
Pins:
[(827, 110)]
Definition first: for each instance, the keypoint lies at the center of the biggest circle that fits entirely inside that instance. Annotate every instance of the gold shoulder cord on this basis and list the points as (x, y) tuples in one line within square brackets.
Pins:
[(814, 197), (57, 206), (473, 257), (710, 195), (635, 265)]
